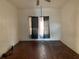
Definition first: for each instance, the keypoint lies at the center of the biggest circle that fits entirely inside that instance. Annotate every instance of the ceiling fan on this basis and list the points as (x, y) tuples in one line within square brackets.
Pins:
[(38, 2)]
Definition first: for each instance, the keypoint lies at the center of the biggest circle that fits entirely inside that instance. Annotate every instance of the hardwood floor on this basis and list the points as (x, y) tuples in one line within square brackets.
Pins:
[(42, 50)]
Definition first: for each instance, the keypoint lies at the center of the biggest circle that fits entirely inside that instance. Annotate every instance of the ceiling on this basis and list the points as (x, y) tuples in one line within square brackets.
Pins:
[(32, 3)]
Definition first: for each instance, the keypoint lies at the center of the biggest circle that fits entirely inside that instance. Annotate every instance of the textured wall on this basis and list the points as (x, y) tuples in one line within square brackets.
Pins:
[(54, 21), (70, 25), (8, 26), (77, 30)]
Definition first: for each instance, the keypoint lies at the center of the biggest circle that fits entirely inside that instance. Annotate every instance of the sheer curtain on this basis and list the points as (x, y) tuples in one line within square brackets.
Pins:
[(39, 27)]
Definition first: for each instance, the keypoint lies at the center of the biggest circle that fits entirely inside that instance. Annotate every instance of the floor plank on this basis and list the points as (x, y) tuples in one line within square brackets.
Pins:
[(42, 50)]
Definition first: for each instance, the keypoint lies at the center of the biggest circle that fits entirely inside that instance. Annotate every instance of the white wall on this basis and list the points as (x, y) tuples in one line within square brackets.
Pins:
[(8, 26), (77, 30), (54, 21), (69, 25)]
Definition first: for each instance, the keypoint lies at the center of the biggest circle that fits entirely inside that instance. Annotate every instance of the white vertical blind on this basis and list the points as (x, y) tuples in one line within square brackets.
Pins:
[(30, 27), (40, 27)]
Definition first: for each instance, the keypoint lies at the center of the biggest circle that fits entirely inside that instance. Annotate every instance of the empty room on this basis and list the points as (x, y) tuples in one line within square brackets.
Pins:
[(39, 29)]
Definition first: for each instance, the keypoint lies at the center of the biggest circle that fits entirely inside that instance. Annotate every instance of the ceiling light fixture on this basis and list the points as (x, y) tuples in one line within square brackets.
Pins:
[(38, 2)]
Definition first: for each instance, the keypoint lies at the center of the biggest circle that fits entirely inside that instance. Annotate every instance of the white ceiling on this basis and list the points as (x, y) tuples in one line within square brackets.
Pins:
[(32, 3)]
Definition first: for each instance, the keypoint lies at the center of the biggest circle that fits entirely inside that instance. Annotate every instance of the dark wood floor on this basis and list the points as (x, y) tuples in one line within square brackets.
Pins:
[(42, 50)]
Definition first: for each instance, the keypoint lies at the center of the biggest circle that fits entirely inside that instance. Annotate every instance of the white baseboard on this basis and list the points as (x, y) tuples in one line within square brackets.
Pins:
[(8, 48), (40, 40), (16, 43)]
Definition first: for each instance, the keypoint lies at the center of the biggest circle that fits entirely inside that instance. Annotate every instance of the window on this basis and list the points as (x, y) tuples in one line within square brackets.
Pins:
[(39, 27)]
